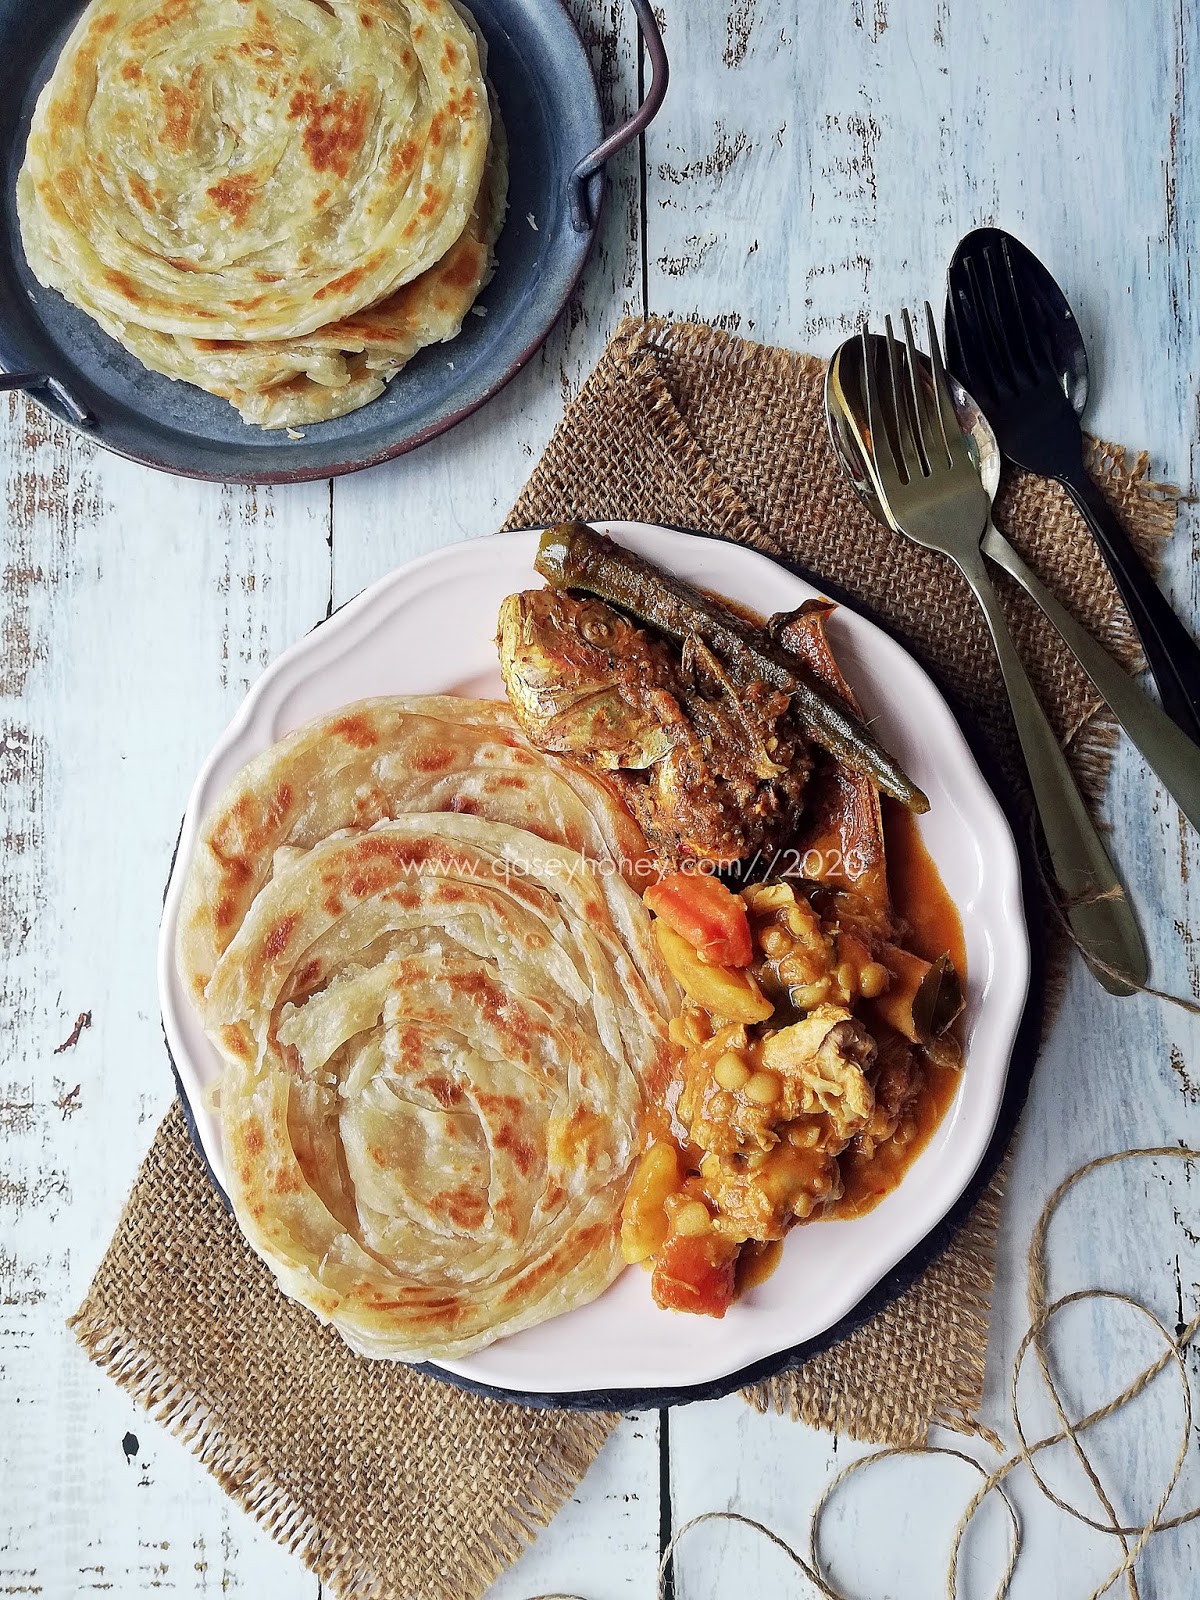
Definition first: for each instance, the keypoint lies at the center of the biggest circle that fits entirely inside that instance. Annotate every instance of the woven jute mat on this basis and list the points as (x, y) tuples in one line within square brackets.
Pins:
[(389, 1483)]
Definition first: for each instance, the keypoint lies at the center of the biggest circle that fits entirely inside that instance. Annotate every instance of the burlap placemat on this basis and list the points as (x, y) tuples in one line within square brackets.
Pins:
[(386, 1482)]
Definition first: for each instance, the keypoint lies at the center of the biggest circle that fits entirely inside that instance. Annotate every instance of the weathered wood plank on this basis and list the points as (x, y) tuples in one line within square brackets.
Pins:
[(135, 612)]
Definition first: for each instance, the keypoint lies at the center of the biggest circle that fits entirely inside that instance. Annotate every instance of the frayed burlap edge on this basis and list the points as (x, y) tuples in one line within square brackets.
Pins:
[(249, 1481)]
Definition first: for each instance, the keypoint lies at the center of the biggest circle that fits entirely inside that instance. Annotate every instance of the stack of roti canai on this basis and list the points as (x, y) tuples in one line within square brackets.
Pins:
[(440, 1013), (281, 201)]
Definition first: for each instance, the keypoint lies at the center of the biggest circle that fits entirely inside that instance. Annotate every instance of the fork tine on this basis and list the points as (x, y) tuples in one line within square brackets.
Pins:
[(908, 449), (926, 438), (947, 418), (883, 458)]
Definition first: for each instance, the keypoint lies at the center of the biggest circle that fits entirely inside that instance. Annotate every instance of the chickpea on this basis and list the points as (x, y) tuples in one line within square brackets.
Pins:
[(808, 995), (774, 942), (802, 967), (764, 1088), (846, 978), (730, 1071), (873, 979), (804, 1135), (801, 918)]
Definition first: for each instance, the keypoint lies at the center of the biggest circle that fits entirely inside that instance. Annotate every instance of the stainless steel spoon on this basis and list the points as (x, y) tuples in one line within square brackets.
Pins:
[(1167, 750), (930, 487), (1011, 335)]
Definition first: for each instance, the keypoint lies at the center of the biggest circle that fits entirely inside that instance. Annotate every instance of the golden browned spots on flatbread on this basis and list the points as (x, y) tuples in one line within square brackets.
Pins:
[(177, 126), (235, 195), (246, 228), (333, 129), (437, 1032)]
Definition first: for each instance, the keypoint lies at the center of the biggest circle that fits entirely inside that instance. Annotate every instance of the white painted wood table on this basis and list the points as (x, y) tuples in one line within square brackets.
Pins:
[(811, 161)]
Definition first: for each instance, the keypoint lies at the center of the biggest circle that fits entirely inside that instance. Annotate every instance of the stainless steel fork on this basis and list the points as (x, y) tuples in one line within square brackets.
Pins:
[(932, 492)]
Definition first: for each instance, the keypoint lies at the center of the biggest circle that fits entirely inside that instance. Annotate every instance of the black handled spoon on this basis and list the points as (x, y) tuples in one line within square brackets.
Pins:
[(1013, 341)]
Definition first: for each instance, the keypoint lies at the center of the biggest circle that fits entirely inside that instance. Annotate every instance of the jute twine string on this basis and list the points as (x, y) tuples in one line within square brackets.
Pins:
[(1062, 906), (1133, 1537)]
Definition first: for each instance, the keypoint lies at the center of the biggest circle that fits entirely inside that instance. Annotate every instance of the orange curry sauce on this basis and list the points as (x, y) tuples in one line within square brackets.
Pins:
[(935, 928)]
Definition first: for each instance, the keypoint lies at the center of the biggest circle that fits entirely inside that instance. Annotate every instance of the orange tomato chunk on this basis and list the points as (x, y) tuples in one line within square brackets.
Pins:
[(695, 1273), (708, 915)]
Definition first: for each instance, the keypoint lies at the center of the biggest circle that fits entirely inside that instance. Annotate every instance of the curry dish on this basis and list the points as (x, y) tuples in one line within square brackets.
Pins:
[(820, 958), (805, 1087)]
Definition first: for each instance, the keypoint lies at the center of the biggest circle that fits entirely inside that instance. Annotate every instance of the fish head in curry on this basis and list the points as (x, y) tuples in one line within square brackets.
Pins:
[(580, 677)]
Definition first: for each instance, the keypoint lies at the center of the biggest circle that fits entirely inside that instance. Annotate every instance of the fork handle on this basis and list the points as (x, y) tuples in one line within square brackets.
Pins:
[(1097, 907), (1171, 652)]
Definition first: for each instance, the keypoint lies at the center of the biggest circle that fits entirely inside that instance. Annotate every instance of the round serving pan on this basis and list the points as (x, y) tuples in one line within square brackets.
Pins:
[(548, 97)]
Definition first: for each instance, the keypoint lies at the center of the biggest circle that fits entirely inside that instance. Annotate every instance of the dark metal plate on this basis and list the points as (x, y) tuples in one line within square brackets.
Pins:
[(551, 110)]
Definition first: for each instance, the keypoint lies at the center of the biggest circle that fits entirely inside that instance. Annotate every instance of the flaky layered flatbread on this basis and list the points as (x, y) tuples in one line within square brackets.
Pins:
[(441, 1015), (367, 763), (278, 200)]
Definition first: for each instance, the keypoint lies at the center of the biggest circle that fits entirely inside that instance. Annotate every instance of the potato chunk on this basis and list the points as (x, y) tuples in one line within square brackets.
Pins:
[(724, 991), (644, 1221)]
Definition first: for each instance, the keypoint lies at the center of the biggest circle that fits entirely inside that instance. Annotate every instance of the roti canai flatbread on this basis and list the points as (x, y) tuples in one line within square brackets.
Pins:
[(346, 365), (202, 175), (369, 762), (439, 1028)]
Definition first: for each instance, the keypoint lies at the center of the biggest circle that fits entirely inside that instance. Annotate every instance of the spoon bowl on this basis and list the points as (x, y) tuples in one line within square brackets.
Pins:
[(845, 406), (1013, 338), (1011, 333)]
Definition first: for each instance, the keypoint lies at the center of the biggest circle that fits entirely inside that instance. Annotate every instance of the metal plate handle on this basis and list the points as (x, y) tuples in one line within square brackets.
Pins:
[(42, 380), (583, 210)]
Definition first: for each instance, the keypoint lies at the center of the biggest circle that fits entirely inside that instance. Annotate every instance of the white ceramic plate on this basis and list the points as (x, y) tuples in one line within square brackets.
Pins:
[(428, 629)]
